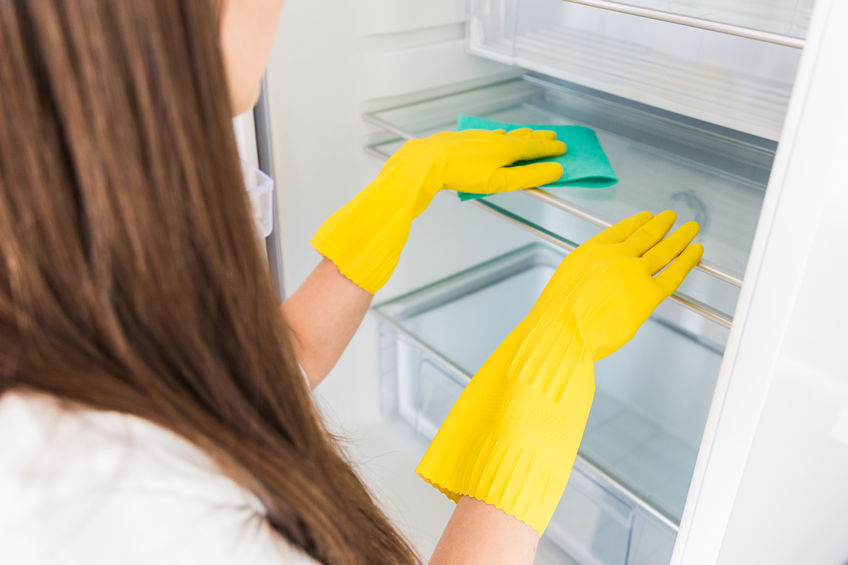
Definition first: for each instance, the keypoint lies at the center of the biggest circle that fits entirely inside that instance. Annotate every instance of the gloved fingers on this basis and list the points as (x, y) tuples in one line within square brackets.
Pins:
[(665, 251), (623, 229), (471, 132), (520, 132), (651, 232), (543, 133), (674, 274), (524, 176), (534, 146)]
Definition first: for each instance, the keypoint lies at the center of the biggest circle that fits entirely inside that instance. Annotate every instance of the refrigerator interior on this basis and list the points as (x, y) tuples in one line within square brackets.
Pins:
[(685, 125)]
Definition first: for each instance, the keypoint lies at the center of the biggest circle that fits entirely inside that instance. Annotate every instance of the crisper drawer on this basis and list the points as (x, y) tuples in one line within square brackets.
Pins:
[(626, 495), (727, 62)]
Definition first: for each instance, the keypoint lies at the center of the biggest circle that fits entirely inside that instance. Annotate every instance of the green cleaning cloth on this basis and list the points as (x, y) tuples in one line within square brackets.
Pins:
[(584, 164)]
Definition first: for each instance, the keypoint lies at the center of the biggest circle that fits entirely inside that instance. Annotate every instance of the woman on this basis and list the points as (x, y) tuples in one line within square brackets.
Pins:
[(151, 404)]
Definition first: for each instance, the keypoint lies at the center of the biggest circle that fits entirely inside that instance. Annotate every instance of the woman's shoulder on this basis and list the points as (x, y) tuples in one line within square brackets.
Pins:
[(82, 485), (49, 444)]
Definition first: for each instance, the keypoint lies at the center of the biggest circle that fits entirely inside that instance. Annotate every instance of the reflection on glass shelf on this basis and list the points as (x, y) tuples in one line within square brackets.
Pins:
[(641, 441), (712, 297), (703, 173), (739, 83)]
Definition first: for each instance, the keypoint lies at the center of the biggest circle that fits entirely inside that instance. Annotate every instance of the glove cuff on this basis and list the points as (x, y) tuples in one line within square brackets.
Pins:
[(351, 245), (365, 237), (510, 445), (499, 472)]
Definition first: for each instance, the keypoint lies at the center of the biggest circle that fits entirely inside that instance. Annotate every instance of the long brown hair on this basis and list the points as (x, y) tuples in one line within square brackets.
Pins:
[(131, 278)]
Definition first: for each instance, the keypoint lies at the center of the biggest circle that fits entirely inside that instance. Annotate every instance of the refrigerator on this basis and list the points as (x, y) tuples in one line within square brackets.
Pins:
[(720, 433)]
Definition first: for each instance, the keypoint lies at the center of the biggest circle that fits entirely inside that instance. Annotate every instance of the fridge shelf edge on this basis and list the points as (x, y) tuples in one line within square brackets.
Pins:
[(584, 215), (694, 305), (686, 301), (548, 199), (690, 21)]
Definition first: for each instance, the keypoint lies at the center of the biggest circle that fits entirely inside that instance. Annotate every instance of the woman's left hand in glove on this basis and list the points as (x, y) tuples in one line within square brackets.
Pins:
[(365, 237)]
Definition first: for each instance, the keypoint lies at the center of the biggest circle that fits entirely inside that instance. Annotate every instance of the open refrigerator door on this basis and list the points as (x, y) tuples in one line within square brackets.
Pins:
[(689, 100)]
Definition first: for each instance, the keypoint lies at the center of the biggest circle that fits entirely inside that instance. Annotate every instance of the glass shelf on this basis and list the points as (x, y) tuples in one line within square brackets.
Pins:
[(787, 17), (704, 173), (627, 492), (739, 83)]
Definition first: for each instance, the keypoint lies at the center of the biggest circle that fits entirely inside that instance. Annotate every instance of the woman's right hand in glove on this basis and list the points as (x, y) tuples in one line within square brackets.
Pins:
[(512, 436)]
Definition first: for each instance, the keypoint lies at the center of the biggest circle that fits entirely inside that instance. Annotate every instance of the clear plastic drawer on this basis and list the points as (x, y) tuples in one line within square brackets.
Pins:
[(629, 485)]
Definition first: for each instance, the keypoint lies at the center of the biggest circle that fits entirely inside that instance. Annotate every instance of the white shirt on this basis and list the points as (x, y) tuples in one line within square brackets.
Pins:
[(90, 487)]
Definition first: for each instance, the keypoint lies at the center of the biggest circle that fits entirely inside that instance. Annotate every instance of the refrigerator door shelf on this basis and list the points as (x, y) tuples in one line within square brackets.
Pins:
[(705, 173), (627, 492), (736, 82), (260, 192)]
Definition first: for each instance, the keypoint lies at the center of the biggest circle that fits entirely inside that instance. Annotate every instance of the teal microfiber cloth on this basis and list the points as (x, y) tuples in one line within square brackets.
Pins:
[(584, 164)]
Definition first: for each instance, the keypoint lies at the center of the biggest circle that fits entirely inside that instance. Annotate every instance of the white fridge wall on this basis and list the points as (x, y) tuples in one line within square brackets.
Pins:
[(770, 484), (375, 17), (330, 60)]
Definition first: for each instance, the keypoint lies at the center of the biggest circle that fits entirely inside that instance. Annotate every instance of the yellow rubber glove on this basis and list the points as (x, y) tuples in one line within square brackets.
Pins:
[(512, 436), (365, 237)]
